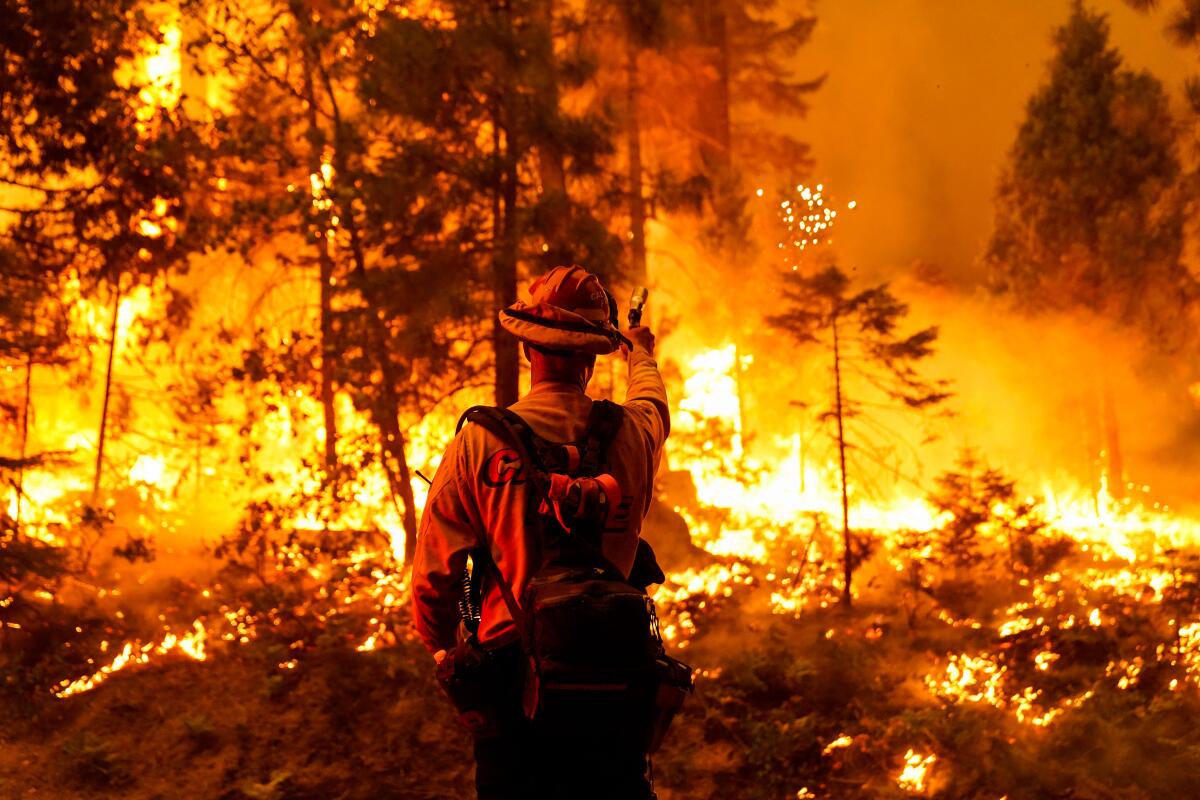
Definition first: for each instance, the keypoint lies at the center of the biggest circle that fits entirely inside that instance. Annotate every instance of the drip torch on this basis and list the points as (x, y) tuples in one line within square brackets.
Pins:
[(637, 303)]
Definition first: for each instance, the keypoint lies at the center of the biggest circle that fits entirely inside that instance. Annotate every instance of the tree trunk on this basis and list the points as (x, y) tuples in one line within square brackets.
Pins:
[(394, 458), (633, 133), (112, 348), (715, 149), (324, 260), (26, 399), (1115, 466), (327, 360), (551, 172), (504, 270), (385, 412), (385, 409), (504, 288), (396, 466), (724, 131), (847, 554), (741, 396)]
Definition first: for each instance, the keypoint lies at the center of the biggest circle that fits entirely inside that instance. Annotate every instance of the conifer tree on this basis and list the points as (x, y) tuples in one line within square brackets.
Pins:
[(744, 49), (97, 161), (1088, 211), (858, 332)]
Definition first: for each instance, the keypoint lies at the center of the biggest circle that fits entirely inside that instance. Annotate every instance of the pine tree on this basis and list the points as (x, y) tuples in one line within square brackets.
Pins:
[(312, 170), (430, 164), (698, 87), (980, 501), (743, 49), (33, 333), (492, 87), (857, 331), (1183, 25), (1088, 211)]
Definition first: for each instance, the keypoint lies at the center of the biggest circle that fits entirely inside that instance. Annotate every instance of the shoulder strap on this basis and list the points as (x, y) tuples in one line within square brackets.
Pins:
[(496, 420), (515, 432), (603, 424), (511, 429)]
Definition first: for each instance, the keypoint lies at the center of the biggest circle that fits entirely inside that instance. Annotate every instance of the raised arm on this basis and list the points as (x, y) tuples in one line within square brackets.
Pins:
[(646, 397)]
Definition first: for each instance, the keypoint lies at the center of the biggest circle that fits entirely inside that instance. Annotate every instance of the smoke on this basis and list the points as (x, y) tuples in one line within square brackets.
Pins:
[(1060, 397), (1068, 404), (921, 104)]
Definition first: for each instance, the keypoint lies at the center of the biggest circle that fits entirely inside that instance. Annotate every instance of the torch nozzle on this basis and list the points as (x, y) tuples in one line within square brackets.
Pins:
[(637, 302)]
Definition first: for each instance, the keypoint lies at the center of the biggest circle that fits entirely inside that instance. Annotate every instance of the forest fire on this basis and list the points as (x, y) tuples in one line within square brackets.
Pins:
[(924, 528)]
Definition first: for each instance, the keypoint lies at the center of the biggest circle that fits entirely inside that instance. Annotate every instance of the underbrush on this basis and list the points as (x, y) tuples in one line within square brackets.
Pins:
[(349, 725), (1076, 683), (992, 657)]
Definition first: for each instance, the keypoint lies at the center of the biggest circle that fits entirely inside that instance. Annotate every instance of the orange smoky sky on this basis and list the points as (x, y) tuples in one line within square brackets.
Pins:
[(921, 104)]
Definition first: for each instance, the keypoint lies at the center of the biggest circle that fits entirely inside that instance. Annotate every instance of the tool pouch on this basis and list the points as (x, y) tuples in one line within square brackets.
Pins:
[(674, 683), (466, 678), (589, 637)]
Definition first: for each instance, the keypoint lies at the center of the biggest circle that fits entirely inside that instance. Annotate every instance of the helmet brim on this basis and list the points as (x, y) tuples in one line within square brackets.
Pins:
[(554, 328)]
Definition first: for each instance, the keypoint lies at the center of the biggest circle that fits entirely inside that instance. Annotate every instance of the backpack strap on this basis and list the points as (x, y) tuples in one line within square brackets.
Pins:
[(604, 422), (515, 432), (492, 419)]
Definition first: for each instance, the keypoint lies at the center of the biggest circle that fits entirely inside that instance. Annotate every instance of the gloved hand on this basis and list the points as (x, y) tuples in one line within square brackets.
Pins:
[(642, 337)]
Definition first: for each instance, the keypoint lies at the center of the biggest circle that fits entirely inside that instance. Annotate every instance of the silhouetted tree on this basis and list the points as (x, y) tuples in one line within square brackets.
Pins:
[(981, 502), (858, 333), (1088, 210), (744, 51)]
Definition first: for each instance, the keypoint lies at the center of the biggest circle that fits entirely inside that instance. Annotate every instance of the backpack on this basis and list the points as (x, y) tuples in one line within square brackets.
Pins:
[(590, 637)]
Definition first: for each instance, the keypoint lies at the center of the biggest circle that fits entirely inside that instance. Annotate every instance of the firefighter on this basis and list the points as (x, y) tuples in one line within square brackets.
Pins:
[(477, 504)]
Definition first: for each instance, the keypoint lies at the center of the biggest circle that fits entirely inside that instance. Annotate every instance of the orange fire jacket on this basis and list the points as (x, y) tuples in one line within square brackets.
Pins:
[(478, 499)]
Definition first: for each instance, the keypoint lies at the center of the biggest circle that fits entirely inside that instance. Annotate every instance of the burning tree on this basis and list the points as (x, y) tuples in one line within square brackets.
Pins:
[(740, 55), (35, 334), (325, 183), (984, 523), (983, 509), (519, 175), (858, 332), (419, 188), (691, 83), (98, 162)]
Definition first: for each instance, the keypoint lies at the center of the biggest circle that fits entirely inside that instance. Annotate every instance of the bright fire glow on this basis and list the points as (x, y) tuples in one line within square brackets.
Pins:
[(190, 644), (915, 774)]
